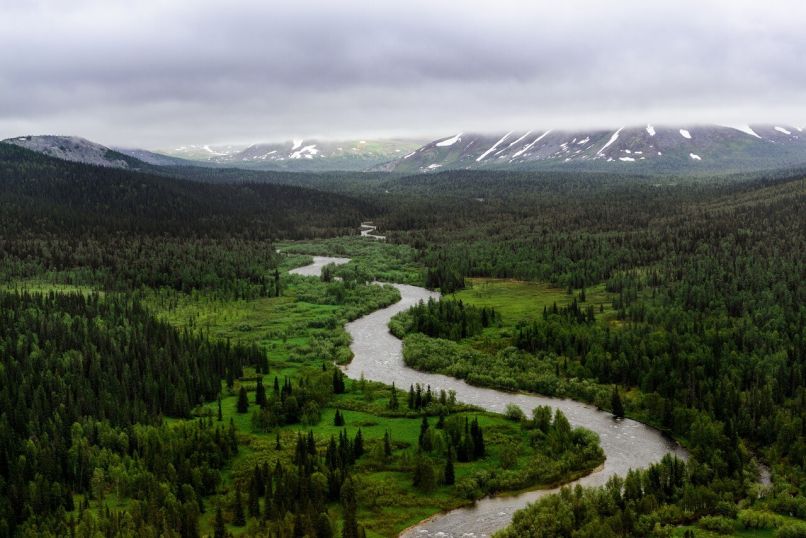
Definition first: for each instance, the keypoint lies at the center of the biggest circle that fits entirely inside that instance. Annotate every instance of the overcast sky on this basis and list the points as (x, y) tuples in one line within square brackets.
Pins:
[(158, 74)]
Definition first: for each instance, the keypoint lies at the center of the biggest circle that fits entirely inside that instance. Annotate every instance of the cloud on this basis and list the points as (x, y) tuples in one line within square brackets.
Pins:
[(157, 73)]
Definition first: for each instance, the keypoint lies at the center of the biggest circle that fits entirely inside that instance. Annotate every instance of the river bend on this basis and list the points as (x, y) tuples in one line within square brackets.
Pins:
[(379, 357)]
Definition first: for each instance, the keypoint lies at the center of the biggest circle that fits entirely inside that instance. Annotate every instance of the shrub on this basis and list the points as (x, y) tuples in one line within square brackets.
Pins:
[(718, 524)]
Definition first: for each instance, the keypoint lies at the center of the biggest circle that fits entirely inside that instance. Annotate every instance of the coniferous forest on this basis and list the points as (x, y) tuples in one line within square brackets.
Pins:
[(163, 373)]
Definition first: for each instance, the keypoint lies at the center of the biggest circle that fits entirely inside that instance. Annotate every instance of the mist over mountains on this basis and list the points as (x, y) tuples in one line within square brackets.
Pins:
[(646, 149)]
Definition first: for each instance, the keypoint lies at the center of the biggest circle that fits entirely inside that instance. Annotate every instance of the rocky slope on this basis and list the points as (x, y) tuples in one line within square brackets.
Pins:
[(644, 149)]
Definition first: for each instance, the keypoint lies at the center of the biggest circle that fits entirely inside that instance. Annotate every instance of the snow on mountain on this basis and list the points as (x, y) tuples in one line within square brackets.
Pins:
[(74, 148), (646, 149), (306, 155)]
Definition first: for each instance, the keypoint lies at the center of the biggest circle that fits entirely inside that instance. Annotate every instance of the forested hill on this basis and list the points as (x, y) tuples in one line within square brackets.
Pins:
[(43, 194)]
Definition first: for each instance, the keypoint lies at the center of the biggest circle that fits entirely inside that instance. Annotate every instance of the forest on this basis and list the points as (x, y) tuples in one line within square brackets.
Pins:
[(163, 374)]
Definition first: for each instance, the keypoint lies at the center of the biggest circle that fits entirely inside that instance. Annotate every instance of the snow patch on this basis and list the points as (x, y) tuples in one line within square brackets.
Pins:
[(626, 159), (528, 147), (695, 157), (208, 149), (481, 157), (297, 143), (433, 166), (745, 129), (584, 140), (612, 139), (449, 141), (308, 152), (651, 130), (685, 134), (410, 154), (782, 130), (519, 139)]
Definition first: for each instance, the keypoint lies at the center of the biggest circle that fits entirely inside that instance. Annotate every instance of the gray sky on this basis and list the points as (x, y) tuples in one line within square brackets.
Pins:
[(158, 74)]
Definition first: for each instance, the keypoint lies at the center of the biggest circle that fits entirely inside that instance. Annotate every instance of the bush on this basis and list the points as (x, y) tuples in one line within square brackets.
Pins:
[(718, 524), (515, 413), (791, 530)]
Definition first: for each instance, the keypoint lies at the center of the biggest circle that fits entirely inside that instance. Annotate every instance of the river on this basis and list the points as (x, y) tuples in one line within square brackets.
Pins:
[(379, 357)]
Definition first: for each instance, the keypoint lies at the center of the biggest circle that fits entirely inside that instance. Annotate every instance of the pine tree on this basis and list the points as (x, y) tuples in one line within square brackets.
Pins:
[(425, 436), (393, 403), (220, 528), (338, 420), (239, 520), (348, 501), (243, 401), (450, 477), (260, 394), (615, 403), (358, 445), (253, 500), (411, 397), (277, 445), (220, 414), (387, 444), (338, 381)]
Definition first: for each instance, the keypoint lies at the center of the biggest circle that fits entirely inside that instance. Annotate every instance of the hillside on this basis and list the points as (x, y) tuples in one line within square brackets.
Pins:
[(302, 155), (45, 194), (645, 150)]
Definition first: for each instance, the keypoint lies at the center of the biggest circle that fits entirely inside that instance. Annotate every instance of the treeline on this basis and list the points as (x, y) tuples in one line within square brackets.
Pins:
[(445, 318), (69, 358), (709, 323), (652, 502), (121, 229)]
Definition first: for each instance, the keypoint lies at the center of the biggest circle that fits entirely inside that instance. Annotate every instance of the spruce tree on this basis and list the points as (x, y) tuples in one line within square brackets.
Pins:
[(348, 502), (425, 436), (387, 444), (238, 520), (243, 401), (220, 414), (450, 476), (338, 420), (393, 403), (358, 445), (253, 500), (260, 394), (615, 403), (220, 530)]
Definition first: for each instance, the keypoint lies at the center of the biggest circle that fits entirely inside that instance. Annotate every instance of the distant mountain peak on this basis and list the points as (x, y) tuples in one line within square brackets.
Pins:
[(640, 149)]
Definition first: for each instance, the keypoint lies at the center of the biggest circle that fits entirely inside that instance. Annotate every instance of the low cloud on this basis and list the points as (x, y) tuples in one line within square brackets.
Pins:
[(157, 74)]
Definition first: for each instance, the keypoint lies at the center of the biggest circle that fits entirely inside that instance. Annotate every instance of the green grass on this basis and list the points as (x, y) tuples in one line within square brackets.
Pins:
[(300, 331), (43, 286), (518, 300)]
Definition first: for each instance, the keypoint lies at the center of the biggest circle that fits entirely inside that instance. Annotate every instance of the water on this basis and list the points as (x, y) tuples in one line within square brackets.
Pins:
[(378, 356)]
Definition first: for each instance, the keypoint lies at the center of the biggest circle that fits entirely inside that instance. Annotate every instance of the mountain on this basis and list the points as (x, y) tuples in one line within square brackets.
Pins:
[(158, 159), (302, 155), (77, 149), (39, 193), (645, 149)]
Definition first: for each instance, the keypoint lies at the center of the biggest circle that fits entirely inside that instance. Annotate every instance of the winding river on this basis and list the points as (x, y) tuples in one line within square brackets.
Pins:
[(379, 356)]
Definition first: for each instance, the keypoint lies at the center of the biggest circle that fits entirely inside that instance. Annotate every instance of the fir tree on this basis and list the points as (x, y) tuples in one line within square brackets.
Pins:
[(243, 401), (450, 477), (260, 394), (615, 403), (387, 444), (253, 500), (220, 530), (348, 502), (358, 445), (425, 436), (338, 419), (238, 519), (393, 403)]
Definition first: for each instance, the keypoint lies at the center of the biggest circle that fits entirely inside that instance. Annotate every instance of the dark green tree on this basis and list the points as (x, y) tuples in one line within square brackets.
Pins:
[(243, 401)]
